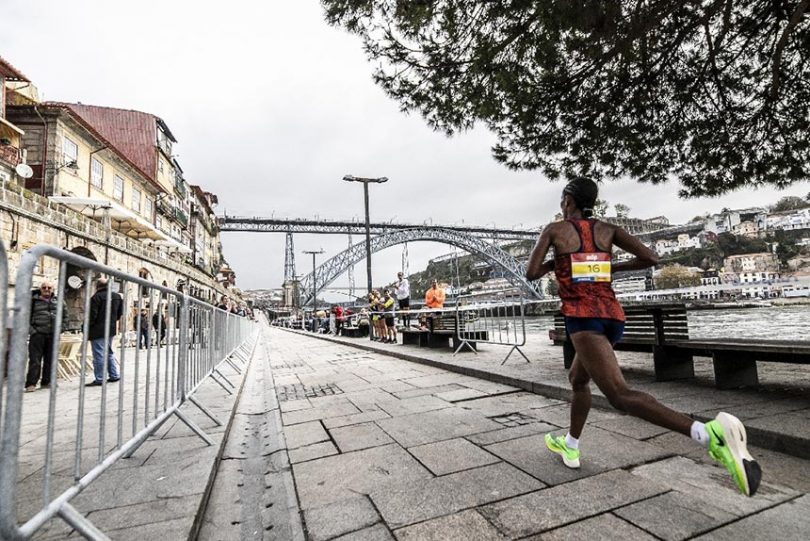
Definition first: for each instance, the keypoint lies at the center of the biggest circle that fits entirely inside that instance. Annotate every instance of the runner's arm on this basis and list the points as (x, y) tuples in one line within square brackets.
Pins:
[(536, 267), (644, 256)]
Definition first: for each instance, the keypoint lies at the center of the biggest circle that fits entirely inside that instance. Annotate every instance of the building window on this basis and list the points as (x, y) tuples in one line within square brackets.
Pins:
[(159, 222), (118, 188), (160, 165), (96, 173), (70, 152), (136, 200), (147, 208)]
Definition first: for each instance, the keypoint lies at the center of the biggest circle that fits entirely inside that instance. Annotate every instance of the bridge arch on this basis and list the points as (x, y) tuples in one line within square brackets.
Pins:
[(332, 268)]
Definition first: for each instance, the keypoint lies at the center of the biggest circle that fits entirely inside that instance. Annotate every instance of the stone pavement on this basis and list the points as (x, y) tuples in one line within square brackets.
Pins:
[(158, 491), (382, 448), (776, 415)]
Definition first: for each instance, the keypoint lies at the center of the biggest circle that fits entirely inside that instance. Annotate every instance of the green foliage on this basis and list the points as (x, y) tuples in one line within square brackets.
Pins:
[(675, 276), (622, 210), (709, 257), (790, 202), (732, 244), (704, 91)]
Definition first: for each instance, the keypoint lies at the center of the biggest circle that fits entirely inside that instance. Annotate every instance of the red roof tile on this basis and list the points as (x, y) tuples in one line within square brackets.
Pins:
[(10, 72), (132, 134)]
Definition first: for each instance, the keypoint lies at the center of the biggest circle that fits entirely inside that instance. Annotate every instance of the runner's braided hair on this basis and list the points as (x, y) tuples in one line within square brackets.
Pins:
[(584, 192)]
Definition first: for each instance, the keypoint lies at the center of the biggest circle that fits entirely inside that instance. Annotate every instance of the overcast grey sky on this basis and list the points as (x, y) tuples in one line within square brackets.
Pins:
[(272, 107)]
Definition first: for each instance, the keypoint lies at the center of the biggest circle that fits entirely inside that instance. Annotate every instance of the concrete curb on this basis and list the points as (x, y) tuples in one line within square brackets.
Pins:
[(212, 475), (791, 444)]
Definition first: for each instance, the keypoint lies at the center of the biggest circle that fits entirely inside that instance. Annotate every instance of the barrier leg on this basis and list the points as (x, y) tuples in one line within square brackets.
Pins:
[(462, 345), (227, 390), (205, 410), (196, 429), (515, 348), (220, 374), (81, 524), (234, 366)]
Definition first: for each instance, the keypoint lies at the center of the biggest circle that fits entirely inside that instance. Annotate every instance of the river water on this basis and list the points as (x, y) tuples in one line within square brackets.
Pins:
[(766, 323)]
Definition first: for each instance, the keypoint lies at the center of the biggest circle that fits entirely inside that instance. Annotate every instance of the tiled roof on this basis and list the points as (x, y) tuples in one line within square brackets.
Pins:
[(131, 134), (10, 72)]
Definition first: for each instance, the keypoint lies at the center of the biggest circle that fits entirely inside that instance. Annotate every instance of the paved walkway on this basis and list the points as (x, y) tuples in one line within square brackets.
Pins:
[(159, 490), (382, 448), (777, 414)]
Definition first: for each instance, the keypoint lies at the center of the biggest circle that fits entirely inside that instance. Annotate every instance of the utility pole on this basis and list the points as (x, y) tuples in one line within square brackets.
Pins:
[(314, 278), (365, 181)]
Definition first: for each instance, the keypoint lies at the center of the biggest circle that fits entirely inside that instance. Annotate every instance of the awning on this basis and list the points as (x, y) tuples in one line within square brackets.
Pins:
[(172, 244), (121, 219), (5, 122)]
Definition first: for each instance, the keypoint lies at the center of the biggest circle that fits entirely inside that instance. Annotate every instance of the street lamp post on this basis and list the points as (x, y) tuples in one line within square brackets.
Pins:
[(365, 181), (314, 279)]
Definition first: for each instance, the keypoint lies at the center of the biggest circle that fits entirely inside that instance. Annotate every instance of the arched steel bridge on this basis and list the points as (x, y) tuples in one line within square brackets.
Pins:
[(332, 268)]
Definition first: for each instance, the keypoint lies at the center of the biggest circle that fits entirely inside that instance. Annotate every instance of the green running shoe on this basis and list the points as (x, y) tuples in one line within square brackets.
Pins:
[(727, 445), (570, 456)]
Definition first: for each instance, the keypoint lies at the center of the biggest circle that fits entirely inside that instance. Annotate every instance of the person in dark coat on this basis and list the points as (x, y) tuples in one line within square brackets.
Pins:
[(96, 331), (40, 343), (159, 324), (143, 334)]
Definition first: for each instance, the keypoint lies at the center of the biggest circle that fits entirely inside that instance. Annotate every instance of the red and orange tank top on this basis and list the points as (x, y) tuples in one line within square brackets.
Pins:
[(584, 278)]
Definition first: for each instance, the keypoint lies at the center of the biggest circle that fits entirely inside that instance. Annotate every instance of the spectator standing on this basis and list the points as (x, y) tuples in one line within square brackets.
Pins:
[(96, 332), (142, 326), (159, 324), (390, 321), (403, 291), (434, 298), (40, 343), (339, 316)]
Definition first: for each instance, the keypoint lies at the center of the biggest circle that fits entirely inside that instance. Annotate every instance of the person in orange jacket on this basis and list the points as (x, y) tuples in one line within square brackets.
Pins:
[(434, 298)]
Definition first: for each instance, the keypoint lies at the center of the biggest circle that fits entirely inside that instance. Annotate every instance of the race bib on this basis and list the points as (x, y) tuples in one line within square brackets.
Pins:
[(590, 267)]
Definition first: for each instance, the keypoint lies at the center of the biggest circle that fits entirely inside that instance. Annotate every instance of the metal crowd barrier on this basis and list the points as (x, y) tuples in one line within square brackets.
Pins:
[(494, 317), (104, 423)]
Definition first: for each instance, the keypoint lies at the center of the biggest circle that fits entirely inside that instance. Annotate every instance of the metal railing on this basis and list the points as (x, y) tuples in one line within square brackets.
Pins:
[(495, 317), (180, 342)]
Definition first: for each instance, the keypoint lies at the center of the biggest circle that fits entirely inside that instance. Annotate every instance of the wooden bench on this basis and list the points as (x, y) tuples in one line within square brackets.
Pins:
[(663, 330), (442, 333), (735, 360), (647, 328)]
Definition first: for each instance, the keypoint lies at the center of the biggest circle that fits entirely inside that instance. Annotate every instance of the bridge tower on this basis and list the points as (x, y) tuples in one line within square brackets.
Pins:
[(351, 273), (290, 286), (289, 259)]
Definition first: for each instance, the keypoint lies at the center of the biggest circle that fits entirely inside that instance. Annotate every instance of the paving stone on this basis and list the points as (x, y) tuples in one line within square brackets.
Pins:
[(295, 405), (451, 456), (362, 436), (511, 433), (560, 415), (460, 394), (675, 516), (631, 426), (402, 505), (407, 406), (435, 380), (424, 391), (378, 532), (465, 525), (339, 518), (493, 406), (421, 428), (605, 527), (355, 419), (601, 451), (787, 522), (711, 484), (305, 434), (338, 409), (327, 480), (311, 452), (546, 509)]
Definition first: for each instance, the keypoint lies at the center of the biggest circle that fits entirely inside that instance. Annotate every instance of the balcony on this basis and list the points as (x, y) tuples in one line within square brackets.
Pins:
[(180, 187), (181, 217), (164, 208), (9, 154)]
